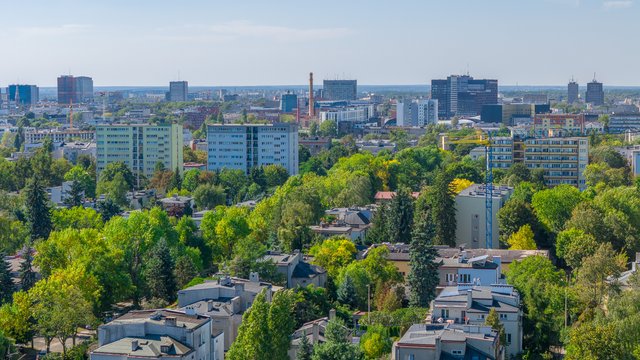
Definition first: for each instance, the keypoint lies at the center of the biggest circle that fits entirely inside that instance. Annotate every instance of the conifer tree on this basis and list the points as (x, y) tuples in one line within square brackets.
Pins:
[(161, 282), (423, 278), (304, 350), (7, 286), (38, 212), (75, 195), (443, 208), (400, 217), (27, 276), (347, 292), (176, 180)]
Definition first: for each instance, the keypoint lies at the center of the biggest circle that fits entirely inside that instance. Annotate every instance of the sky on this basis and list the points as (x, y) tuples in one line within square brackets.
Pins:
[(278, 42)]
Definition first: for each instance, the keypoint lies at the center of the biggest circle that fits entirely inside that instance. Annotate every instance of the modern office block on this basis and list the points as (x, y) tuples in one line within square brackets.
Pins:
[(244, 146), (140, 146), (72, 89), (595, 93), (178, 91), (23, 94), (572, 92), (340, 89), (288, 102), (463, 95)]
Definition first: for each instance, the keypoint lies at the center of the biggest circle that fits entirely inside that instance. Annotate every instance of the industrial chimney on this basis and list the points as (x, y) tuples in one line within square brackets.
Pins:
[(312, 109)]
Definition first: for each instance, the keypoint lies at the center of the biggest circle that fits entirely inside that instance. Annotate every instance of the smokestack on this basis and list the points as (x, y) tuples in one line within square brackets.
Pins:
[(312, 109)]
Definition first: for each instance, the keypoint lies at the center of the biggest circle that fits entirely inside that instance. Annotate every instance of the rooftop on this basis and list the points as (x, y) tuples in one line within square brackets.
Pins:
[(160, 317), (149, 346), (479, 190)]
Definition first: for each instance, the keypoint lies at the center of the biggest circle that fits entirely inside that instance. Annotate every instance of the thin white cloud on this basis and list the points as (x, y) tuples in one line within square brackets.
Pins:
[(617, 4), (238, 30)]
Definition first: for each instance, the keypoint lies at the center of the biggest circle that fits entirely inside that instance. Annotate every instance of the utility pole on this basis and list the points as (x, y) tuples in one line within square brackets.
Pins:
[(369, 303)]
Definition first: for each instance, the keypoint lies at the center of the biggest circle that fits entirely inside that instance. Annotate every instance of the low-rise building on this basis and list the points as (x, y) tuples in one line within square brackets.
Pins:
[(315, 144), (632, 154), (224, 301), (469, 304), (296, 270), (448, 341), (177, 205), (58, 135), (314, 332), (471, 214), (376, 146), (72, 150), (156, 334)]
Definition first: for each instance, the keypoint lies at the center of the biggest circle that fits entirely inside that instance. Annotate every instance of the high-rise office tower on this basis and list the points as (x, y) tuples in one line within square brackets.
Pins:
[(178, 91), (23, 94), (572, 92), (462, 95), (595, 94), (340, 89), (288, 102), (74, 89), (418, 113)]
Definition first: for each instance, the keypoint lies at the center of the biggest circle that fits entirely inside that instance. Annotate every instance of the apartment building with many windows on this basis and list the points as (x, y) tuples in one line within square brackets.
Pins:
[(243, 146), (140, 146)]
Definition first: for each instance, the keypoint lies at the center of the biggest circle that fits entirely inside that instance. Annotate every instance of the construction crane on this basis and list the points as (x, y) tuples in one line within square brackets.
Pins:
[(480, 139)]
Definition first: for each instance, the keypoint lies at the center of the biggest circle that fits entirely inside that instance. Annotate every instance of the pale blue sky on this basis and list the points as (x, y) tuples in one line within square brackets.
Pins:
[(261, 42)]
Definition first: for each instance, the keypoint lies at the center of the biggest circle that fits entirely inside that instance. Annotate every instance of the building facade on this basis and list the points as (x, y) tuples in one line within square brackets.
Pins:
[(562, 159), (140, 147), (178, 91), (595, 93), (622, 122), (340, 89), (470, 304), (560, 124), (572, 92), (463, 95), (288, 102), (23, 94), (244, 146), (159, 334), (74, 90), (357, 114), (471, 216), (58, 136), (418, 113)]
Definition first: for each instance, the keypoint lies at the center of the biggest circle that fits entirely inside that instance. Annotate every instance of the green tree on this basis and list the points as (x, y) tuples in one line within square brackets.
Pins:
[(184, 271), (493, 321), (16, 318), (337, 345), (400, 217), (191, 179), (37, 209), (281, 324), (375, 343), (116, 190), (592, 341), (208, 196), (109, 173), (542, 289), (554, 206), (7, 287), (347, 292), (574, 245), (158, 273), (176, 180), (27, 275), (522, 240), (423, 278), (305, 350), (333, 254), (223, 228), (108, 209), (513, 216), (328, 128), (275, 175), (76, 218), (75, 195), (594, 272), (441, 201), (81, 175)]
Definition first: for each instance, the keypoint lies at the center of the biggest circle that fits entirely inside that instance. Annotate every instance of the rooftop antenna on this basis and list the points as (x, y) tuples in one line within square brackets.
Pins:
[(467, 69), (594, 76)]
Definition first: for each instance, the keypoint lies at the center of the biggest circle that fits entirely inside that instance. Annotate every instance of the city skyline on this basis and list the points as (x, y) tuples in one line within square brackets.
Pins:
[(543, 42)]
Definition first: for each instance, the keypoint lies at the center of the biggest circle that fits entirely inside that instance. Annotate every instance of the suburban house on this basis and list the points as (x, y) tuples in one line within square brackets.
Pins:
[(313, 331), (224, 301), (448, 341), (469, 304), (177, 205), (385, 196), (461, 265), (296, 270), (352, 223), (155, 334)]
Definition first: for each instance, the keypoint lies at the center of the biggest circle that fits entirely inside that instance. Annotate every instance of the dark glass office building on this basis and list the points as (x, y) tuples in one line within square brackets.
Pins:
[(595, 93), (340, 89), (572, 92), (288, 102), (23, 94), (463, 95)]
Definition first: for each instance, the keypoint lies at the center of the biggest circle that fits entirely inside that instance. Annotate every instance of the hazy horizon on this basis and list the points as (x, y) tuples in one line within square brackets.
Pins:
[(533, 42)]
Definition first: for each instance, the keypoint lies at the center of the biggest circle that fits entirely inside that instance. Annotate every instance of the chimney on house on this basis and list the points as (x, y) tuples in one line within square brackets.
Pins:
[(316, 333), (170, 321), (209, 305), (332, 314), (134, 345)]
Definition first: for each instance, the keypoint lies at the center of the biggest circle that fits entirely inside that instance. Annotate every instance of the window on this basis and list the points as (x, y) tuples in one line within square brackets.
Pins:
[(456, 352), (450, 277), (508, 339), (444, 313), (411, 357), (503, 316)]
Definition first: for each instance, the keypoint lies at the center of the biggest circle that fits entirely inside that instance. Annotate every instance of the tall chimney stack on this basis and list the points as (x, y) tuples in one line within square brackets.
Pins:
[(312, 108)]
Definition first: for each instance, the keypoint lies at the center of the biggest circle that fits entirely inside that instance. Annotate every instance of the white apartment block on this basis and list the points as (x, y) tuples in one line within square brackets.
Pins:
[(352, 114), (417, 113), (243, 146), (562, 159), (58, 135), (140, 146)]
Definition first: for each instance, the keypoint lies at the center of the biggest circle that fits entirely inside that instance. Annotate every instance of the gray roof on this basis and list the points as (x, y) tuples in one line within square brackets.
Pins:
[(148, 346), (158, 316)]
